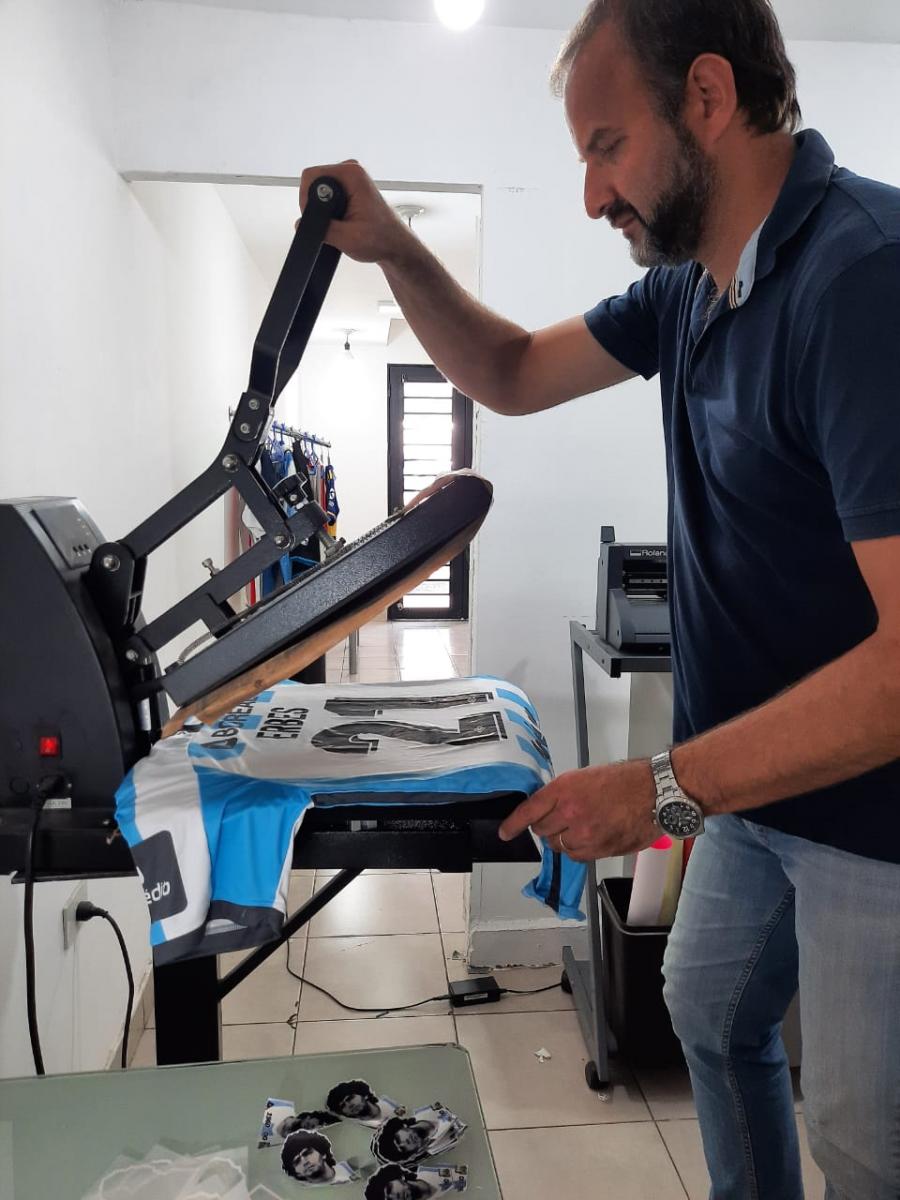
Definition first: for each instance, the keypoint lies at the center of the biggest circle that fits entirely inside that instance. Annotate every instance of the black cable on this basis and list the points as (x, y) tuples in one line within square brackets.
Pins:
[(84, 911), (31, 1002), (529, 991), (381, 1012)]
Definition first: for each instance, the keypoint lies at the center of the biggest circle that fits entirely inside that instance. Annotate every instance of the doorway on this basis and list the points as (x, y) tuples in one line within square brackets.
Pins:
[(429, 433)]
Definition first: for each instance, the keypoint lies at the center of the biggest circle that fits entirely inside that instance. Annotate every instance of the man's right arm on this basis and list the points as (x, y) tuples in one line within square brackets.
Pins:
[(490, 359)]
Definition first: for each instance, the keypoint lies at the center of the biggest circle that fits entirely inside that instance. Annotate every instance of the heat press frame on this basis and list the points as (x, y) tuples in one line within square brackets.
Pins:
[(77, 836)]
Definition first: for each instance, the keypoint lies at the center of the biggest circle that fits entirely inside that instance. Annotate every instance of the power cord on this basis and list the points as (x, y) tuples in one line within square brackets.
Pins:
[(551, 987), (31, 1003), (379, 1012), (383, 1012), (85, 911)]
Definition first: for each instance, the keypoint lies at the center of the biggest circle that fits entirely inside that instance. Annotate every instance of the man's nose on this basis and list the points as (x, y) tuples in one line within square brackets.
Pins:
[(598, 193)]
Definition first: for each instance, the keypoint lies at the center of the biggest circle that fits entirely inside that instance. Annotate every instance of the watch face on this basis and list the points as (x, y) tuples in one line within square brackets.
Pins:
[(678, 819)]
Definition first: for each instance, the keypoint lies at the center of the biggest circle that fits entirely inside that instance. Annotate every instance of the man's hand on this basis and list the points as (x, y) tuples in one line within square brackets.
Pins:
[(597, 812), (370, 231)]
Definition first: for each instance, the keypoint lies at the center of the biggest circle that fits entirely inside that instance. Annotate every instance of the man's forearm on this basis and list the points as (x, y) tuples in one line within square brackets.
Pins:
[(833, 725), (475, 348)]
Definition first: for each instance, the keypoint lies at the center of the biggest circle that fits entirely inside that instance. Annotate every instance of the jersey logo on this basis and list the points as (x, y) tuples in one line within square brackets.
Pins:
[(157, 865)]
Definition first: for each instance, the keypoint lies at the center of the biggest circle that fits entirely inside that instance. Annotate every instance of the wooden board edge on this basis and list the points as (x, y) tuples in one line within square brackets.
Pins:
[(281, 666)]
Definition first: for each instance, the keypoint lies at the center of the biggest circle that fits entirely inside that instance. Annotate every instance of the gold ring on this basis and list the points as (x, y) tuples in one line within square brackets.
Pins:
[(562, 845)]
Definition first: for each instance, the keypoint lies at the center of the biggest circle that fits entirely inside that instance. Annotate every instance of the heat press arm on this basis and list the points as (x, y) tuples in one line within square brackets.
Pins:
[(118, 569)]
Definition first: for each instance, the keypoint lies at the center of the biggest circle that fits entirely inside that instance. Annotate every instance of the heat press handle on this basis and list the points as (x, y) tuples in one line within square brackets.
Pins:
[(299, 293), (117, 568)]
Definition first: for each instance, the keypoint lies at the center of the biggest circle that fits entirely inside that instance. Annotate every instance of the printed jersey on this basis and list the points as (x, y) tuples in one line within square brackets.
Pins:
[(212, 813)]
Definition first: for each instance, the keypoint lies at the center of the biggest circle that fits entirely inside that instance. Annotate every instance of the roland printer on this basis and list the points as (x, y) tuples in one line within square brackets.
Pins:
[(632, 595)]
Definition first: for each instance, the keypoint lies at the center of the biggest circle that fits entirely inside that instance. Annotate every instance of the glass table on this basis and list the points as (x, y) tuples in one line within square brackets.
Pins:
[(59, 1134)]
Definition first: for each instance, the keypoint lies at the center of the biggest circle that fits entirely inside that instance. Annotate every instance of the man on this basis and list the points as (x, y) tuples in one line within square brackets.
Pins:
[(355, 1100), (770, 314), (398, 1183), (306, 1120), (402, 1139), (308, 1157)]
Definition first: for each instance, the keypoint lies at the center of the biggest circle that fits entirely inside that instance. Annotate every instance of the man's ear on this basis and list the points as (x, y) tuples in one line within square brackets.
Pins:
[(710, 98)]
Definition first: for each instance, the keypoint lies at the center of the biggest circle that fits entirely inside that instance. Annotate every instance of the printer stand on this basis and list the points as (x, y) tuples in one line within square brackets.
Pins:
[(584, 978)]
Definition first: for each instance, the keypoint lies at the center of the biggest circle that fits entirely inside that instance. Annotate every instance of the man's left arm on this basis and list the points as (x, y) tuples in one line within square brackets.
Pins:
[(835, 724)]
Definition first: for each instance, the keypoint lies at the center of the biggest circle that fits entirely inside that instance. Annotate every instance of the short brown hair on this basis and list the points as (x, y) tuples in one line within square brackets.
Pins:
[(666, 36)]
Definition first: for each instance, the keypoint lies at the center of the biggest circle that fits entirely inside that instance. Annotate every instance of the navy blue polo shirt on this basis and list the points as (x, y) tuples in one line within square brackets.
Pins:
[(782, 429)]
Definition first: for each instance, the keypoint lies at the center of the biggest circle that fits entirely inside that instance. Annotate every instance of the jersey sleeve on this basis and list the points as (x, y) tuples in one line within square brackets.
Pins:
[(627, 326), (848, 393)]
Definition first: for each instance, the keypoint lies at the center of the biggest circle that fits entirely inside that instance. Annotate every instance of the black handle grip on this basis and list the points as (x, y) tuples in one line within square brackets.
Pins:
[(299, 293)]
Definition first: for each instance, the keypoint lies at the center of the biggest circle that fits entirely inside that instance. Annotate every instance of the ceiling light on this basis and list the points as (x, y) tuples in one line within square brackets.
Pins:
[(458, 14), (408, 212), (390, 308)]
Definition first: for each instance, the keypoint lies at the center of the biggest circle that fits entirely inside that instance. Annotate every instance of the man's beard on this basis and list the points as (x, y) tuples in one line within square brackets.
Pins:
[(672, 233)]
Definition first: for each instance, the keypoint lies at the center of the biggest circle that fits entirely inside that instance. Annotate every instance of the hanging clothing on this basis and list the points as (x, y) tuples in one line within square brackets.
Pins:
[(279, 459), (301, 466), (309, 550), (331, 501)]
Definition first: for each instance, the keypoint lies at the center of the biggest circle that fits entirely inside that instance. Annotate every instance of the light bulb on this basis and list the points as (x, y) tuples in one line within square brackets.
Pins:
[(458, 14)]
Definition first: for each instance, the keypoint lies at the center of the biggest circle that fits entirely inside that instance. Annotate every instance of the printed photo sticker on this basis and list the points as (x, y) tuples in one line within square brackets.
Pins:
[(280, 1120), (429, 1131), (308, 1156), (355, 1100), (396, 1182), (314, 1119), (277, 1115)]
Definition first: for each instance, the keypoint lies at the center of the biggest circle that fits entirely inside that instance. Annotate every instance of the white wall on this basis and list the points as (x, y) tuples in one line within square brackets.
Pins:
[(346, 402), (123, 338), (78, 366), (213, 299)]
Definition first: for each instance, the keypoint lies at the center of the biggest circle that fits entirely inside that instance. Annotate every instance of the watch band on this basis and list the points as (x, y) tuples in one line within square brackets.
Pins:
[(669, 790), (667, 786)]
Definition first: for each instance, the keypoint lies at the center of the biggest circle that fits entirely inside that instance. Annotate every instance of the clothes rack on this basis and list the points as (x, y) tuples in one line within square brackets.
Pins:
[(296, 435)]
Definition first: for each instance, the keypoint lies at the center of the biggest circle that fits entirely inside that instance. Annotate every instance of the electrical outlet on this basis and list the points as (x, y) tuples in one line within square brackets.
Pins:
[(69, 925)]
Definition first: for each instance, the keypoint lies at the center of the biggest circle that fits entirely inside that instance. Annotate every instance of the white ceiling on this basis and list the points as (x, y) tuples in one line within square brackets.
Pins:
[(815, 20), (265, 215)]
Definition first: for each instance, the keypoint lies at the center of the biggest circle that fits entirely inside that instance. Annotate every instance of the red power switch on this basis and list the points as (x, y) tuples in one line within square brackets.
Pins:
[(49, 747)]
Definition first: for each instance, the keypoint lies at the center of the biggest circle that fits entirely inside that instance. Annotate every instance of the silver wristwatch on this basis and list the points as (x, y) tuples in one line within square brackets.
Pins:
[(676, 813)]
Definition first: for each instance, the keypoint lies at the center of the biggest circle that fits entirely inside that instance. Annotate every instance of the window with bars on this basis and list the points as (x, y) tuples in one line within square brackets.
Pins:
[(429, 433)]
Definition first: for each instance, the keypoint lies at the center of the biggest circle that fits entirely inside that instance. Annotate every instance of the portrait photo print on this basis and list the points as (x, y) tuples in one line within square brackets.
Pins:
[(355, 1100)]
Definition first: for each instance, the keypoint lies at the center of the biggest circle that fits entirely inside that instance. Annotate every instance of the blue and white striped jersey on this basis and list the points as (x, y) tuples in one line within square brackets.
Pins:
[(211, 814)]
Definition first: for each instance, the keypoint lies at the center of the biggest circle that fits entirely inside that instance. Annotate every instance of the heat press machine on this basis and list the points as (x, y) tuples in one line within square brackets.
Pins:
[(632, 595), (84, 694)]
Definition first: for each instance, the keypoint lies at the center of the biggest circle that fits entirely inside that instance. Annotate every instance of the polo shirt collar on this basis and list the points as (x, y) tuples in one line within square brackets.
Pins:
[(745, 275), (803, 190)]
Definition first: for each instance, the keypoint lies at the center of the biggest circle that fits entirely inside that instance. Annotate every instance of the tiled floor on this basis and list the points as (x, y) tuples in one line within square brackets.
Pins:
[(393, 938)]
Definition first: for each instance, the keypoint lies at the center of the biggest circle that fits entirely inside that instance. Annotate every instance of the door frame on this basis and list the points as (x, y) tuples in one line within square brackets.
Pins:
[(460, 456)]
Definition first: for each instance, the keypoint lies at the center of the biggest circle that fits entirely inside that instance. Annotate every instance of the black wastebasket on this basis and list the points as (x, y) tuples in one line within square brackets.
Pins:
[(633, 983)]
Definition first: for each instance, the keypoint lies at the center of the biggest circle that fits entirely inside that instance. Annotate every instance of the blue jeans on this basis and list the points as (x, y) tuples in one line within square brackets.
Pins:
[(760, 912)]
